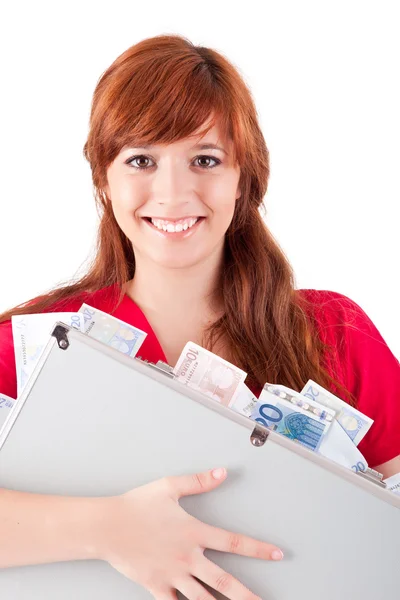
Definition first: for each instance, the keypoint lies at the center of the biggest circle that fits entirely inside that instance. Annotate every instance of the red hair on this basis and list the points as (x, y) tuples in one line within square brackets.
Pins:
[(162, 90)]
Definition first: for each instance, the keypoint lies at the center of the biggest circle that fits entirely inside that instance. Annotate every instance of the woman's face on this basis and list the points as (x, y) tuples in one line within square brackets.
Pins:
[(173, 185)]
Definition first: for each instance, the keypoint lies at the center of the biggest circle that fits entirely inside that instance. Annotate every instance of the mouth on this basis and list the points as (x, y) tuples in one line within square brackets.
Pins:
[(174, 228)]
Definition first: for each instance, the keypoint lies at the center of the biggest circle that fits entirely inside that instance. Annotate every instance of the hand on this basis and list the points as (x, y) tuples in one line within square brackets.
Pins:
[(153, 541)]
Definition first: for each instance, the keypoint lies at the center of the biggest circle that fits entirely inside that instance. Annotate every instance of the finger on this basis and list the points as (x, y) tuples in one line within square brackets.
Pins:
[(194, 483), (193, 590), (220, 580), (237, 543), (169, 594)]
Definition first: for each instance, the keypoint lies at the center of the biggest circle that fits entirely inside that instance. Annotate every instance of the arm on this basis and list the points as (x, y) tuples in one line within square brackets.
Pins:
[(389, 468), (36, 528)]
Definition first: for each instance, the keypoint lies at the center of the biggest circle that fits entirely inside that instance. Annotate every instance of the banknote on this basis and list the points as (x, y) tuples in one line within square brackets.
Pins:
[(244, 401), (30, 336), (289, 414), (208, 373), (354, 422), (337, 446), (393, 483), (112, 331), (6, 404)]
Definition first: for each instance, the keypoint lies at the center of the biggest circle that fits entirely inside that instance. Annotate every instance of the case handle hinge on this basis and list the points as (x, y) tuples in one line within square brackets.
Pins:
[(373, 476), (259, 435)]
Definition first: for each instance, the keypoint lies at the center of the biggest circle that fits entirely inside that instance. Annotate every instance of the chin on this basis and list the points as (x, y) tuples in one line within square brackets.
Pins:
[(176, 262)]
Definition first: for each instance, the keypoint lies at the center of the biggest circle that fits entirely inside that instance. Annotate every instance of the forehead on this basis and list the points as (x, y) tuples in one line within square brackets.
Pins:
[(197, 140)]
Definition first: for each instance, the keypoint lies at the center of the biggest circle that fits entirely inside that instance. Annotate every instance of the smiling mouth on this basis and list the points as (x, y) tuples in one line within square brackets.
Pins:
[(174, 225)]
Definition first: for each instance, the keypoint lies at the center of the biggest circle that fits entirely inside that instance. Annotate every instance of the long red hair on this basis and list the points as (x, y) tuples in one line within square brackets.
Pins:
[(159, 91)]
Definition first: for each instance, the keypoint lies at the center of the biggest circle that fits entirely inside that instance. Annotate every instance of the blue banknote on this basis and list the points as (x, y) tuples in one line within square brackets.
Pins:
[(305, 422)]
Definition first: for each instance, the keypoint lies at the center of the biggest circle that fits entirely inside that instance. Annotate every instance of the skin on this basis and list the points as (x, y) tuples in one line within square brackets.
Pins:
[(389, 468), (174, 277)]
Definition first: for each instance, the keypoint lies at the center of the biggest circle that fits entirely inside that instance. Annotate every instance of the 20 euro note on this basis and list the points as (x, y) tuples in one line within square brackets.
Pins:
[(335, 443), (6, 404), (291, 415), (337, 446), (208, 373), (112, 331), (354, 422), (30, 335)]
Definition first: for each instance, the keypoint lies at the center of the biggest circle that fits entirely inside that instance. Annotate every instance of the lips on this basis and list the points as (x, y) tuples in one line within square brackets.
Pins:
[(173, 220), (175, 234)]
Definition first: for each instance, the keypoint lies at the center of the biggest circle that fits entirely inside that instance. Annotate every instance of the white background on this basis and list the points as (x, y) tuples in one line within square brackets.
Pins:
[(325, 79)]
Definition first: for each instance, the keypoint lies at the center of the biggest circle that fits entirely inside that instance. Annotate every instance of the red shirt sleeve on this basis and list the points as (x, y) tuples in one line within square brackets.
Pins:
[(8, 374), (367, 367)]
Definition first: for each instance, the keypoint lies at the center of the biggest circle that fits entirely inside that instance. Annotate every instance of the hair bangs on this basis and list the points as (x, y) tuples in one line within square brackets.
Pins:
[(189, 108)]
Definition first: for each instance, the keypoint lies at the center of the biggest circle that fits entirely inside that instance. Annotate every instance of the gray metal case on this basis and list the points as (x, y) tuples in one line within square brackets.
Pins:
[(94, 422)]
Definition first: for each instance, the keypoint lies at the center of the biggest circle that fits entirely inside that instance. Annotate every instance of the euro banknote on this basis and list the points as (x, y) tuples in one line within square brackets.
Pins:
[(244, 401), (335, 443), (337, 446), (208, 373), (291, 415), (354, 422), (112, 331), (393, 483), (302, 419), (30, 336), (6, 404)]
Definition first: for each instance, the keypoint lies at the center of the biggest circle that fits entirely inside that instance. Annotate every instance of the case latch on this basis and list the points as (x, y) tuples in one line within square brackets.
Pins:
[(259, 435), (60, 333)]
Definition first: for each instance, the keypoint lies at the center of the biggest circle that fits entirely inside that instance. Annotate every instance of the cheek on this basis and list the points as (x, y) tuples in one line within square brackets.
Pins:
[(223, 208), (222, 197), (125, 202)]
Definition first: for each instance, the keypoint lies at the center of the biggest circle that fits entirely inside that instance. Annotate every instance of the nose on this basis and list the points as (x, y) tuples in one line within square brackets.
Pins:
[(171, 183)]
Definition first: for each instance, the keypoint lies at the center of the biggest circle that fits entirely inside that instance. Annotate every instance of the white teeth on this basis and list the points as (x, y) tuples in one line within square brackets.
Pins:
[(182, 225)]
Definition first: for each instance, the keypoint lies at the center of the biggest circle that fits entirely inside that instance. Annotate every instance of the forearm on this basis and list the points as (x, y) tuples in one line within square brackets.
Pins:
[(36, 528)]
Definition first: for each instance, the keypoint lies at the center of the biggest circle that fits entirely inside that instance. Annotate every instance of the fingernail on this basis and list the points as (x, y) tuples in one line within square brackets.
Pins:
[(218, 473), (277, 555)]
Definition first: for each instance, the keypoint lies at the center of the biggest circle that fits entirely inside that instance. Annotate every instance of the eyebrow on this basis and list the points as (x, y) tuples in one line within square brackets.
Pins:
[(198, 147)]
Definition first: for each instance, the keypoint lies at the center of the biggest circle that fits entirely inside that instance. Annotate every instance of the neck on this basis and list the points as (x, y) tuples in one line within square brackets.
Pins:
[(177, 293)]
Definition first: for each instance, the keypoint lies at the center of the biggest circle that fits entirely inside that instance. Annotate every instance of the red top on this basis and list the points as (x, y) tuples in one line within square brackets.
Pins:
[(363, 362)]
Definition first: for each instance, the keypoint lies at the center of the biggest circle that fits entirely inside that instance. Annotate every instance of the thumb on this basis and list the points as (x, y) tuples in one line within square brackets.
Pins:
[(186, 485)]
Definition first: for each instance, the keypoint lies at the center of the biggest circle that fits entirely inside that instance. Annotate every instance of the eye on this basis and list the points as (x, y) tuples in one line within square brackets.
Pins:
[(145, 168), (216, 160)]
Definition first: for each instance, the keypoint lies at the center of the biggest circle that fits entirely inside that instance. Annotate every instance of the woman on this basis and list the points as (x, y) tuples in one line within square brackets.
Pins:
[(180, 169)]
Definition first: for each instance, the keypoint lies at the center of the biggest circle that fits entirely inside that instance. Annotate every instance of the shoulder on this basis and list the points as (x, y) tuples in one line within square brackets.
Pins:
[(103, 299), (331, 306), (367, 366), (340, 316), (342, 320)]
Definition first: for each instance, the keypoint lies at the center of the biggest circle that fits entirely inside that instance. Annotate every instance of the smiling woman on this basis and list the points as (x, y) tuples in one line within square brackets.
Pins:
[(180, 169), (176, 196)]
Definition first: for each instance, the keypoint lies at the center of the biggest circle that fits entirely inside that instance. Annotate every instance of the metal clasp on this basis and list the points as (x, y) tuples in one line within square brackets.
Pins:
[(259, 435), (373, 476), (60, 333), (160, 366)]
